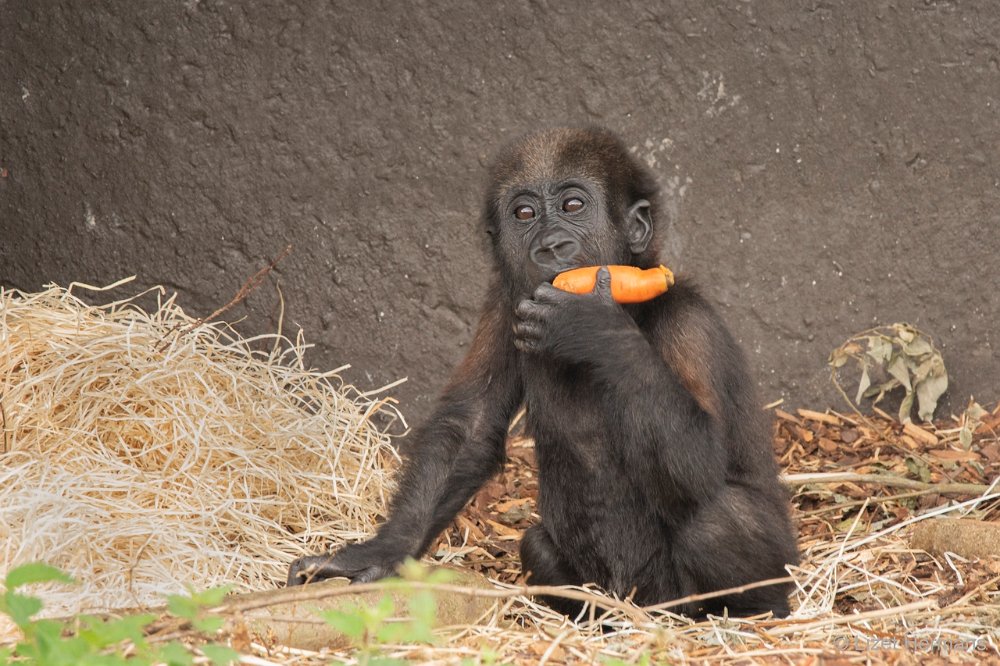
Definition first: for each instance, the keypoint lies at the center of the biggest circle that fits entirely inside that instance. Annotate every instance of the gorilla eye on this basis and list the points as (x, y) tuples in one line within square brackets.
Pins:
[(524, 213), (572, 205)]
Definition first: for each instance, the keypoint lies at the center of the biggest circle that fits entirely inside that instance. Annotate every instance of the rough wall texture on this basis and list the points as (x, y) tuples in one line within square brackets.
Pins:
[(827, 165)]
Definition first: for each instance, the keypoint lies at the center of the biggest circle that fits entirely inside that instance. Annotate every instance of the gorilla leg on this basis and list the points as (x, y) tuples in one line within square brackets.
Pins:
[(732, 541), (542, 564)]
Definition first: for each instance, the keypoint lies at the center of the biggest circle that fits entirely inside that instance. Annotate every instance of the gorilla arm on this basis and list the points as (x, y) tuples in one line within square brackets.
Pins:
[(454, 452), (662, 417)]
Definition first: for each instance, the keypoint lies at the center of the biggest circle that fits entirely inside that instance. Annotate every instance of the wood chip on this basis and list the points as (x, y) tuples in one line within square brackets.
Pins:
[(919, 434), (785, 416), (955, 456), (818, 416)]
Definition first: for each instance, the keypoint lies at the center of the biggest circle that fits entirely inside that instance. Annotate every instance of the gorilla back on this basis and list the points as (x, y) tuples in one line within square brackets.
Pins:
[(656, 476)]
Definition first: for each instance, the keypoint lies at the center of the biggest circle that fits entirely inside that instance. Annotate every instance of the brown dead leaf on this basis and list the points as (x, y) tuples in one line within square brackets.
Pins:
[(991, 452)]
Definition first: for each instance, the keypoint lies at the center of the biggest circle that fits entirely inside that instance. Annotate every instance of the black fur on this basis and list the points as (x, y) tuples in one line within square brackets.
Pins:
[(656, 476)]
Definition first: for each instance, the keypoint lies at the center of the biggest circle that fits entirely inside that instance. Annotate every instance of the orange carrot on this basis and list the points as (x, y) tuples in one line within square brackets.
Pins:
[(629, 284)]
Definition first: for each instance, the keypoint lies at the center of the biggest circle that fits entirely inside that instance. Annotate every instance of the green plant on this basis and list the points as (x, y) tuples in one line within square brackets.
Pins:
[(905, 357), (93, 641), (370, 628)]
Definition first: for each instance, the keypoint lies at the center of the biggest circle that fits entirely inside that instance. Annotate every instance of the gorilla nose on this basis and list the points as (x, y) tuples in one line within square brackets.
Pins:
[(555, 250)]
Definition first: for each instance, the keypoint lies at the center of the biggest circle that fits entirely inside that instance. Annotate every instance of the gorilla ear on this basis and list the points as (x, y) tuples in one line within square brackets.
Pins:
[(638, 226)]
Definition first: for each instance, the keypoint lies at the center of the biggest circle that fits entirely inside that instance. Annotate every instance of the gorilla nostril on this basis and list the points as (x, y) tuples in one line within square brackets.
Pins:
[(555, 248), (565, 249)]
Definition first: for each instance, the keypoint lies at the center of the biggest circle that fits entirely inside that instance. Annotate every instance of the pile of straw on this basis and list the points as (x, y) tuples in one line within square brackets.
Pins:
[(146, 452)]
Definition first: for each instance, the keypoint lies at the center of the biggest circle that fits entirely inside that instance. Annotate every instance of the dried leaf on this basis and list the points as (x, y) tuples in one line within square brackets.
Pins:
[(917, 347), (881, 390), (838, 358), (918, 468), (864, 382), (929, 390), (897, 368), (879, 349), (906, 406), (905, 332), (971, 419)]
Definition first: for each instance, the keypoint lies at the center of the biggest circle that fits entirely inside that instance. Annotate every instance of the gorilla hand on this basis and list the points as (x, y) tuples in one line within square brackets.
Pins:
[(569, 326), (361, 563)]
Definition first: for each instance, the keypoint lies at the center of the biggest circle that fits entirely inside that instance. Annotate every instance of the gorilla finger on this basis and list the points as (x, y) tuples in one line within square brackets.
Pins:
[(525, 308), (527, 330), (526, 346), (546, 293), (602, 286), (530, 311), (371, 574), (315, 567)]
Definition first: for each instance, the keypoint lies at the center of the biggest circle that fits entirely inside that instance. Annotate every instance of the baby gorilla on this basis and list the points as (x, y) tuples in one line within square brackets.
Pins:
[(656, 475)]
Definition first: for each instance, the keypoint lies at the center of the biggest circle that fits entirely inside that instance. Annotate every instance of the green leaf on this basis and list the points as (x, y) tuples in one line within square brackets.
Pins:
[(385, 608), (423, 607), (349, 624), (863, 383), (441, 576), (209, 625), (898, 369), (394, 632), (220, 655), (928, 392), (21, 608), (35, 572), (175, 654), (211, 597), (413, 570), (181, 606), (100, 633)]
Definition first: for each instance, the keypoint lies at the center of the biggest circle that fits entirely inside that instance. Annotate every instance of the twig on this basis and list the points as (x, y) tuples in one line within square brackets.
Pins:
[(868, 500), (793, 627), (316, 592), (977, 590), (3, 424), (719, 593), (248, 287), (884, 480)]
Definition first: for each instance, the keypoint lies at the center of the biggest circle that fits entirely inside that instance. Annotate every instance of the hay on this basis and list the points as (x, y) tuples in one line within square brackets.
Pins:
[(206, 463), (863, 596), (142, 460)]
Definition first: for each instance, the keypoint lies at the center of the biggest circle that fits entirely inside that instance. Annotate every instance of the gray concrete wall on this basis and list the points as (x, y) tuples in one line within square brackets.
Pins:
[(827, 165)]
